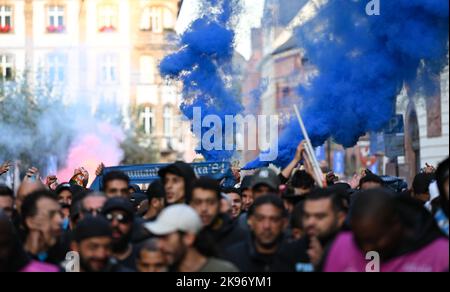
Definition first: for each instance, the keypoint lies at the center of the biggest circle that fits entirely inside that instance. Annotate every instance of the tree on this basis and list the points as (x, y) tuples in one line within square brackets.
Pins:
[(34, 122), (138, 147)]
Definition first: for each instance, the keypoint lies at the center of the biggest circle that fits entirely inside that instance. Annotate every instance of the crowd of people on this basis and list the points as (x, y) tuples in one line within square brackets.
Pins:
[(267, 222)]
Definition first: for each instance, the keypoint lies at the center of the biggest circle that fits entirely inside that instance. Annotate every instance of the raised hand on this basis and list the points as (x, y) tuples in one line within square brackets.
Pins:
[(32, 174), (99, 170), (4, 168)]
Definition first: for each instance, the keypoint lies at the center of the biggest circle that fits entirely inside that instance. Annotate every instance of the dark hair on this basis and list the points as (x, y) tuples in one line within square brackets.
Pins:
[(209, 184), (375, 203), (337, 200), (302, 179), (148, 245), (296, 216), (370, 177), (115, 175), (29, 205), (156, 190), (268, 200), (421, 183), (16, 258), (232, 191), (5, 191)]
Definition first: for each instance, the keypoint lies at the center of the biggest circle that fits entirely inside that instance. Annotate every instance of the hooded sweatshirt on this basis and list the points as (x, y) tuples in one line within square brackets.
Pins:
[(426, 250), (185, 171)]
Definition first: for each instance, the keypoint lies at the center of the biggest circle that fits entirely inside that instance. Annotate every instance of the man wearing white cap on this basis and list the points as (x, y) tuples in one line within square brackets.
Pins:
[(178, 228)]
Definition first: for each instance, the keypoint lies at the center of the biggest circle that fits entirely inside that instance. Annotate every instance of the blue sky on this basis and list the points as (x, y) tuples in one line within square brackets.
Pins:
[(251, 17)]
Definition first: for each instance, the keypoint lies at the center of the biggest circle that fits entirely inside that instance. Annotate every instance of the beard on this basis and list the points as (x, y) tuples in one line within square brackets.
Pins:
[(121, 244), (271, 244), (86, 266), (178, 256)]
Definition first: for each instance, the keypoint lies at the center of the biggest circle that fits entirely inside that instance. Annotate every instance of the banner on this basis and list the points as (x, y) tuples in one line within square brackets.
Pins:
[(148, 173)]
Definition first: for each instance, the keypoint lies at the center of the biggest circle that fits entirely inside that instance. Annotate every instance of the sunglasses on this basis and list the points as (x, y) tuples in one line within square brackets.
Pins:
[(91, 211), (118, 217)]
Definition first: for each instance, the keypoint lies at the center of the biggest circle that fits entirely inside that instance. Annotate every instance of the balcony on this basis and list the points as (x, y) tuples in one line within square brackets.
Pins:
[(5, 29), (56, 29)]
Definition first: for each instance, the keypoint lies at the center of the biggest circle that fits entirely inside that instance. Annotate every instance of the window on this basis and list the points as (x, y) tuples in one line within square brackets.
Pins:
[(5, 19), (156, 19), (107, 18), (109, 69), (168, 19), (57, 68), (168, 121), (6, 67), (434, 110), (147, 69), (55, 19), (148, 120)]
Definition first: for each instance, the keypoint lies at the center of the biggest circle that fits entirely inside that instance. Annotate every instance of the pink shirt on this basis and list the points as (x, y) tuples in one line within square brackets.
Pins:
[(37, 267), (345, 256)]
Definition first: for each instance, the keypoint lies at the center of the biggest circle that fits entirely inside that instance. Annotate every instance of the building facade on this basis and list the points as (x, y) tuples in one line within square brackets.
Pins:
[(278, 65), (104, 53)]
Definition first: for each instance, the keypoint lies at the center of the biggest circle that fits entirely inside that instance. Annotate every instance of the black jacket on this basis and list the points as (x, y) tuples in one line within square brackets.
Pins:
[(420, 225), (227, 233), (245, 257)]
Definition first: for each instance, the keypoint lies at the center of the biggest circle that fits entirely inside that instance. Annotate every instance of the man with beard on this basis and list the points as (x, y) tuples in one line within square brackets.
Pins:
[(177, 229), (399, 230), (13, 257), (116, 185), (323, 216), (206, 202), (263, 250), (120, 213), (92, 240), (42, 219)]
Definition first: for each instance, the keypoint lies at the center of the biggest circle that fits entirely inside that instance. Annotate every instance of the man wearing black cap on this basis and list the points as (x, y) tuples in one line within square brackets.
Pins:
[(67, 193), (155, 197), (177, 179), (265, 181), (92, 240), (120, 214)]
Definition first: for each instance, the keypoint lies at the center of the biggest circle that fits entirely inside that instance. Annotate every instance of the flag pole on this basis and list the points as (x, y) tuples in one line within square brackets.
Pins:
[(310, 150)]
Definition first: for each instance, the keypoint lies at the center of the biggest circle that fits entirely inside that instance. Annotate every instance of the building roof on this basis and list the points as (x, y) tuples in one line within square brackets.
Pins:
[(291, 44), (283, 10)]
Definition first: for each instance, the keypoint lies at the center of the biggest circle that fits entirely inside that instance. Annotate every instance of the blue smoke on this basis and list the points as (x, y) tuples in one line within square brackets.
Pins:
[(363, 62), (203, 64)]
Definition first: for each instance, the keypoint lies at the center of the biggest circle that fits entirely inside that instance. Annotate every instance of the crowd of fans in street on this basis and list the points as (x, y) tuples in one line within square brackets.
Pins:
[(267, 222)]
